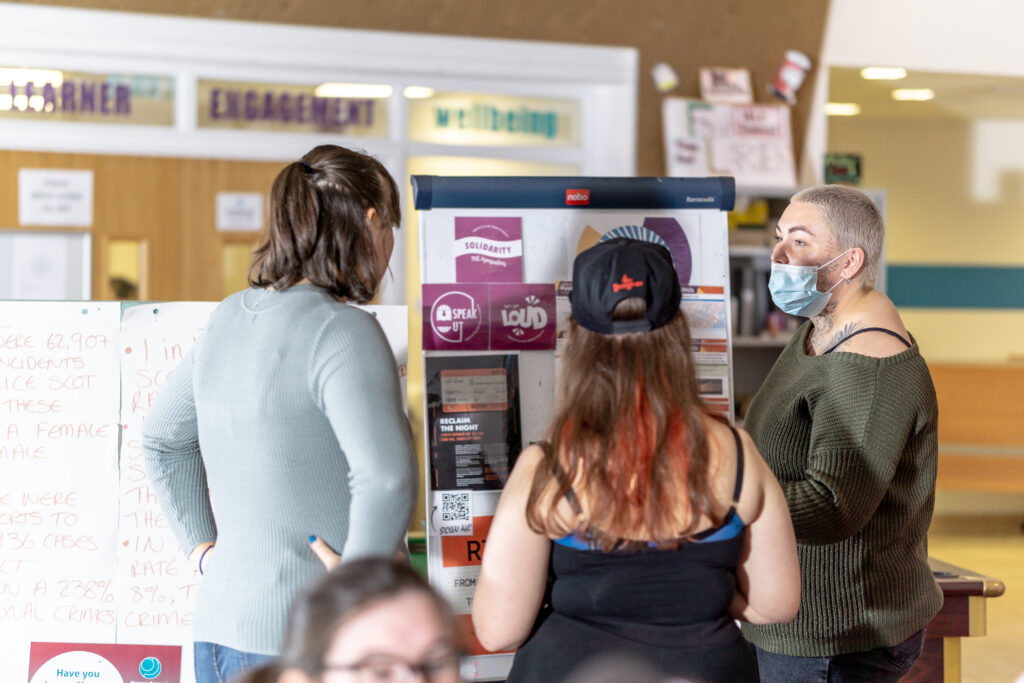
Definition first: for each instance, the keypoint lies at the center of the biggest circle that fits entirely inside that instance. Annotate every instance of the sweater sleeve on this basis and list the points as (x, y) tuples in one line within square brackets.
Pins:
[(355, 381), (170, 449), (859, 429)]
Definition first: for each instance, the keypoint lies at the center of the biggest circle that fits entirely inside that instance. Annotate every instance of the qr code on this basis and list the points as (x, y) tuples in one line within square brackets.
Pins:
[(455, 507)]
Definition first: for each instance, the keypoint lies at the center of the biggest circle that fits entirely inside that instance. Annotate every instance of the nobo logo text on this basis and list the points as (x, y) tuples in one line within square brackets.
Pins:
[(577, 197)]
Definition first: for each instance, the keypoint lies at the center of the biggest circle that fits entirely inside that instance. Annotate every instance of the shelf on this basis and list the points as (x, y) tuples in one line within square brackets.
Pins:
[(765, 341), (749, 251)]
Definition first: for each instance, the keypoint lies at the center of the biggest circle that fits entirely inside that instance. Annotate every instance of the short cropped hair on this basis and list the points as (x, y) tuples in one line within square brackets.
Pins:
[(854, 221)]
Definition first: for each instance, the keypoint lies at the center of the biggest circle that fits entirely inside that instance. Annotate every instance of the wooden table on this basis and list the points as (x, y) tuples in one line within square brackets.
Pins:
[(962, 616)]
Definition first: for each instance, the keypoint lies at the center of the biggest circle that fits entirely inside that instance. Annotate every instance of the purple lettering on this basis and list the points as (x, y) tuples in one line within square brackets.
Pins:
[(105, 98), (335, 112), (14, 92), (286, 107), (88, 97), (252, 111), (268, 107), (49, 97), (124, 101), (300, 109), (369, 112), (67, 96), (29, 88), (215, 104), (232, 102), (319, 111)]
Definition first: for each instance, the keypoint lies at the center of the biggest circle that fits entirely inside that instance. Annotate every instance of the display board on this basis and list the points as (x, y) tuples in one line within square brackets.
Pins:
[(752, 143), (86, 556), (496, 260)]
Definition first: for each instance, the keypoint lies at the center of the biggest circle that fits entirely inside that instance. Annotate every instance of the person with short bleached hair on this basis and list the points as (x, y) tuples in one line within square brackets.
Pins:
[(847, 420)]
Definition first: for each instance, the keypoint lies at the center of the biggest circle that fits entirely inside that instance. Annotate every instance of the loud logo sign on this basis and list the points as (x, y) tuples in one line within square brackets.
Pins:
[(522, 316)]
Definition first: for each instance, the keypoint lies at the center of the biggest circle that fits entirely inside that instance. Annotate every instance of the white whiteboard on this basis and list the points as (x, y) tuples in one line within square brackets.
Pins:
[(85, 553), (47, 266)]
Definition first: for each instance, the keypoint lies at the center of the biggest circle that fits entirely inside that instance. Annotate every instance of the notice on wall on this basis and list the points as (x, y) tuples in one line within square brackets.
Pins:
[(54, 197), (472, 420), (58, 475), (241, 211)]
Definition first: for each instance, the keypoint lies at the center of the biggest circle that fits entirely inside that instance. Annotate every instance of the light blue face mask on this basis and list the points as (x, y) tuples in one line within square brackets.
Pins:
[(795, 288)]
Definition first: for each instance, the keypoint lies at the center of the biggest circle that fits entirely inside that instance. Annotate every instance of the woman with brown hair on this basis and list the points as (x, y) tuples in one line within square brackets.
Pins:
[(369, 620), (286, 421), (660, 524)]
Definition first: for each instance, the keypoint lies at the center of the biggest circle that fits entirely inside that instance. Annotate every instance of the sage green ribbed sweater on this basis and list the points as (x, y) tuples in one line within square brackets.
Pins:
[(853, 442), (284, 420)]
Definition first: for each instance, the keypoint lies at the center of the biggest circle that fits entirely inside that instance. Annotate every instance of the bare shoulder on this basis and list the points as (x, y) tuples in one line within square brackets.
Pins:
[(526, 466), (724, 464), (877, 312), (755, 476)]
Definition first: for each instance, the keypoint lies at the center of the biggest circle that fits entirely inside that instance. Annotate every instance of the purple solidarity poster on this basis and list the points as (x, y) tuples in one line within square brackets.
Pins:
[(488, 249)]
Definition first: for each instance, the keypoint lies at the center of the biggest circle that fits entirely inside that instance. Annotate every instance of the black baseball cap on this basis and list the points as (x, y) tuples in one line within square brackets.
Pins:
[(623, 268)]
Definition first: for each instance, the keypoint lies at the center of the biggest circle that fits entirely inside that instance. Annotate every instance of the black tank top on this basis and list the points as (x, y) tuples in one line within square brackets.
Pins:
[(670, 607)]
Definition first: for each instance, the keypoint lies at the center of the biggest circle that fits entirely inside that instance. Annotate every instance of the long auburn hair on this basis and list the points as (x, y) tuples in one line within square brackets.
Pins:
[(629, 430), (318, 229)]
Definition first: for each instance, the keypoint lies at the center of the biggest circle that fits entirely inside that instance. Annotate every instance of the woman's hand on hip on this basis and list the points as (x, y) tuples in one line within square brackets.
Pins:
[(325, 552), (199, 558)]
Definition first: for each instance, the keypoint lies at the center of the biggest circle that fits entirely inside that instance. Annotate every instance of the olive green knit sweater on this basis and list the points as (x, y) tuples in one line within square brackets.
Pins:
[(852, 440)]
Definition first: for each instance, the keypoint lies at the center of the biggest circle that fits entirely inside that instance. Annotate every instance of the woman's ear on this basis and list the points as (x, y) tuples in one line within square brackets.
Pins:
[(854, 264), (294, 676), (371, 213)]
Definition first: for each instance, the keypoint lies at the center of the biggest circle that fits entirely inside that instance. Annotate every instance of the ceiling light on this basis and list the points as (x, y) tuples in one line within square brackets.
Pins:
[(913, 94), (418, 92), (883, 73), (842, 108), (367, 90), (19, 77)]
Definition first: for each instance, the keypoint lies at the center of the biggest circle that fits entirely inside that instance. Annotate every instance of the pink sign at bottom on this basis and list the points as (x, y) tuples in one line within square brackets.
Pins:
[(103, 663)]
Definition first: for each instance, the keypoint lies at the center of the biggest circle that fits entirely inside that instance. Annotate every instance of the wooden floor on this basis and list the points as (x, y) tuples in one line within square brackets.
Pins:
[(990, 544)]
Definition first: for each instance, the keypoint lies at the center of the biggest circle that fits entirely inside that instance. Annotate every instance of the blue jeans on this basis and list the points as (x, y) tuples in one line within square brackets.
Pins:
[(881, 665), (219, 664)]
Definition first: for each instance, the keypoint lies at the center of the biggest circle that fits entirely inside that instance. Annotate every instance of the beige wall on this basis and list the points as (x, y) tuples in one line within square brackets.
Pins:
[(933, 218)]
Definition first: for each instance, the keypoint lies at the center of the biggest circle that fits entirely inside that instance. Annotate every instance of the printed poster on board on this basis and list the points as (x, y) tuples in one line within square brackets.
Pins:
[(488, 249), (706, 315), (511, 316), (104, 663), (472, 420)]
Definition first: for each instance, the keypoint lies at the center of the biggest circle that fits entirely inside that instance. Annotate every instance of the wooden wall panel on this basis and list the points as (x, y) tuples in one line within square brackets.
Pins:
[(686, 34), (135, 198), (202, 245), (981, 430)]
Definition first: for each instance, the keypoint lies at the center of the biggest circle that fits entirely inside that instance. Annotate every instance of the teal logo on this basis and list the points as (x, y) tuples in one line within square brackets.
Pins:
[(150, 668)]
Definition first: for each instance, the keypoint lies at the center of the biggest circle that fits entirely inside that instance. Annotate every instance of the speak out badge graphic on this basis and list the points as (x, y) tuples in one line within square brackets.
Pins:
[(522, 316), (488, 249), (455, 317)]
